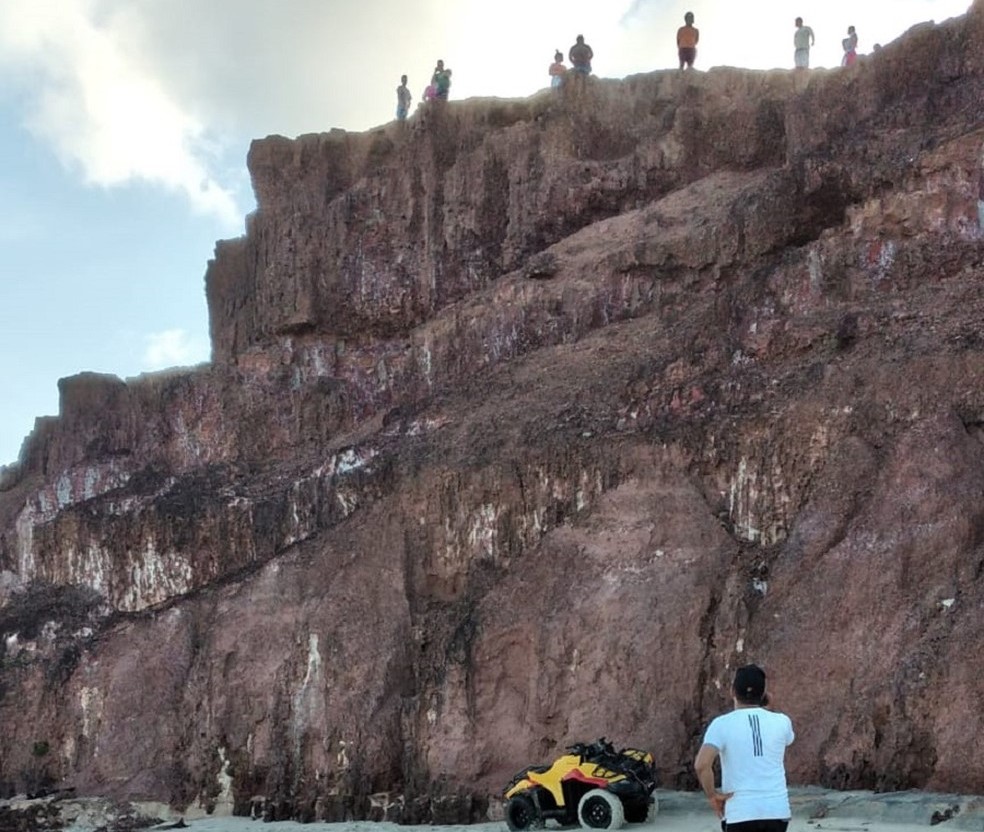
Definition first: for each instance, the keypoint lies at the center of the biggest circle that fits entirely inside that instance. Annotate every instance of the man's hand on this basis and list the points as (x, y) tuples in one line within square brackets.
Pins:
[(717, 801), (704, 766)]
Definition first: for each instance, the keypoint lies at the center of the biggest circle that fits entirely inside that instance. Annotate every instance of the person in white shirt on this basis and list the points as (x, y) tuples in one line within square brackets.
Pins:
[(803, 39), (751, 742)]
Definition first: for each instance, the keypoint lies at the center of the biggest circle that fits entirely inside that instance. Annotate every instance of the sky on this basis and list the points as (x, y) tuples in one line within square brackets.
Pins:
[(124, 127)]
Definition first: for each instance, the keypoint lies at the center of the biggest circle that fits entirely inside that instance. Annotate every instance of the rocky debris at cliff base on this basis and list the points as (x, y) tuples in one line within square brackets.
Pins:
[(814, 810), (58, 813)]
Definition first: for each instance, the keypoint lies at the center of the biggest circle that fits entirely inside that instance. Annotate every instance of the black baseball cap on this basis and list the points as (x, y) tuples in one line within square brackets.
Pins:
[(750, 683)]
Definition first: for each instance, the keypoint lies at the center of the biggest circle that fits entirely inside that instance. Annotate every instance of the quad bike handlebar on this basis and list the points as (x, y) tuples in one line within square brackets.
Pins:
[(596, 750)]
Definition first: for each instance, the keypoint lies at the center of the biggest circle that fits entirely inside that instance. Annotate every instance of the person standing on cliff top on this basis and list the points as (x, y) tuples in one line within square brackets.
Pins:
[(557, 70), (751, 741), (802, 41), (687, 37), (581, 56), (403, 99), (850, 44), (441, 81)]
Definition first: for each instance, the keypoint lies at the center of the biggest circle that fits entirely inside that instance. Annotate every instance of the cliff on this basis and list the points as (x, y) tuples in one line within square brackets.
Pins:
[(528, 421)]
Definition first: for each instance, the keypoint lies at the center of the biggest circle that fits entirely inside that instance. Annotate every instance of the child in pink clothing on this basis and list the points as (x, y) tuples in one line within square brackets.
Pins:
[(557, 70)]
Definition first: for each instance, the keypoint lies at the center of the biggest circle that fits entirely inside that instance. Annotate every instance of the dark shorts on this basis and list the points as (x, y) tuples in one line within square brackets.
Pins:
[(688, 54), (755, 826)]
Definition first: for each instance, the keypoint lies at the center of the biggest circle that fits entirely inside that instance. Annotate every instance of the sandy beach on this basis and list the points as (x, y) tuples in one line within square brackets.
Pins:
[(814, 810)]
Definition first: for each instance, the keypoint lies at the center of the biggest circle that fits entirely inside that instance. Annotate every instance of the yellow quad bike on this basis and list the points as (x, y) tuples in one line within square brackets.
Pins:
[(592, 785)]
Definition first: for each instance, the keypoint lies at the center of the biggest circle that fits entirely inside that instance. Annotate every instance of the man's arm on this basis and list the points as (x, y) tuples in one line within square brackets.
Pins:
[(704, 765), (813, 40)]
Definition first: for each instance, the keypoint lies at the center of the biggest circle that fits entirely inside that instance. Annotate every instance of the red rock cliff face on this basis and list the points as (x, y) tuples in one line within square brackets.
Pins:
[(529, 423)]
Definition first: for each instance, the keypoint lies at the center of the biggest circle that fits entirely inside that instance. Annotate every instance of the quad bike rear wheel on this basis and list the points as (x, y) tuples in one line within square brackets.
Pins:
[(599, 809), (521, 813)]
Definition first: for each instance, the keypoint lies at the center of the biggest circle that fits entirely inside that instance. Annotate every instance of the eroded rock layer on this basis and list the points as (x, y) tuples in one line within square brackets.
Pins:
[(528, 423)]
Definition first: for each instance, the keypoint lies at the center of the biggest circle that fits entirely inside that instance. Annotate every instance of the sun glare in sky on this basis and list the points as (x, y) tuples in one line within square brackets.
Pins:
[(504, 48)]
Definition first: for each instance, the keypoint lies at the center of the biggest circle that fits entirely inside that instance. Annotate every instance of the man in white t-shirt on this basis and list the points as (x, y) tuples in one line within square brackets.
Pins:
[(751, 741), (803, 39)]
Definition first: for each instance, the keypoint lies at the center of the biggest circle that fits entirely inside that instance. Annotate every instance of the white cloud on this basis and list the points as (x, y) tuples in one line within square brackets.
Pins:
[(173, 348), (100, 108)]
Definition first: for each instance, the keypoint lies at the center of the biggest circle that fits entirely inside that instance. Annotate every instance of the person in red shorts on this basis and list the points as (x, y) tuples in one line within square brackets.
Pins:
[(850, 44)]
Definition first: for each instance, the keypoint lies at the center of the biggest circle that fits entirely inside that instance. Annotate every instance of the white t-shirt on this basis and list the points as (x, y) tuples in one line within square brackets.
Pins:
[(802, 37), (752, 743)]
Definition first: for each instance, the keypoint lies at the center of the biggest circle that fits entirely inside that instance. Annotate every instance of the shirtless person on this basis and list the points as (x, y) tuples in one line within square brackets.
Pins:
[(687, 37)]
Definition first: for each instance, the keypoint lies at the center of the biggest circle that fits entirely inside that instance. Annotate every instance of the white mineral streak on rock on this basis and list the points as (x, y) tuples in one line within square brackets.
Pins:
[(303, 500), (575, 661), (155, 576), (980, 195), (814, 265), (744, 493), (754, 498), (341, 758), (427, 362), (347, 501), (483, 531), (476, 534), (306, 494), (225, 802), (25, 543), (352, 459), (590, 487), (70, 488), (308, 700), (91, 705), (90, 565), (820, 443)]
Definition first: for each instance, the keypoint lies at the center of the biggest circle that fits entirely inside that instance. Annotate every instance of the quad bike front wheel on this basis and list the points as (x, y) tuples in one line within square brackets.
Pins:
[(641, 812), (521, 813), (599, 809)]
